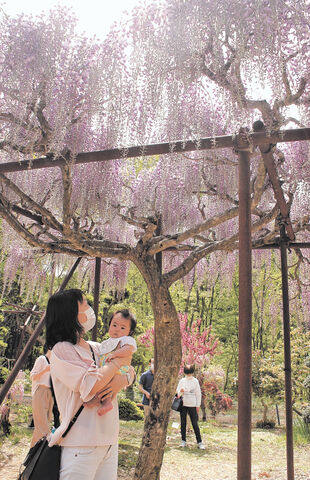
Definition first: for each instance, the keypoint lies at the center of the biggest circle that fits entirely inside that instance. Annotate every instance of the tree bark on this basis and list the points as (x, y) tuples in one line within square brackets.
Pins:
[(265, 410), (168, 361)]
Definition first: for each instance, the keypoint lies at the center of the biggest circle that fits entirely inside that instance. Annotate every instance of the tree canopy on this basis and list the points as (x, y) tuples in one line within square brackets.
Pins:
[(177, 70)]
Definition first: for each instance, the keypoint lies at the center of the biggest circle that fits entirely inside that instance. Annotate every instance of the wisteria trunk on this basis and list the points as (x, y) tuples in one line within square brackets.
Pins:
[(167, 363)]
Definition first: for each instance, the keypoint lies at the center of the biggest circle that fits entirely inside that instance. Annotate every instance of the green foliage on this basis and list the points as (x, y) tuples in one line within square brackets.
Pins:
[(306, 383), (306, 415), (128, 410), (268, 376), (301, 431), (23, 412), (27, 381)]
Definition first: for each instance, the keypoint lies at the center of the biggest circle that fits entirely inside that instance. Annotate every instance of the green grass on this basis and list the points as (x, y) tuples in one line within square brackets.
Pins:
[(268, 451), (301, 432)]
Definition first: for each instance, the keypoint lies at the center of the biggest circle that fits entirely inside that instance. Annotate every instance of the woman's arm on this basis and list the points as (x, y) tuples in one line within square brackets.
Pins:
[(107, 372), (198, 394), (180, 388), (36, 376), (116, 384), (40, 367), (121, 352), (78, 373)]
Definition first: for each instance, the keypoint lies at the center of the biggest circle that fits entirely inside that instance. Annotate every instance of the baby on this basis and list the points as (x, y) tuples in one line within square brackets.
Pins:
[(120, 344)]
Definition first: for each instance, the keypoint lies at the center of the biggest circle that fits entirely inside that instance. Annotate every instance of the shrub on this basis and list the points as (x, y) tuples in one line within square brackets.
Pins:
[(306, 415), (301, 431), (128, 410), (267, 424), (216, 400)]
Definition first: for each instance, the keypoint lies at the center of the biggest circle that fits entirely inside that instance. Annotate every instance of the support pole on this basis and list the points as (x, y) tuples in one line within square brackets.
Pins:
[(96, 297), (245, 321), (37, 331), (287, 359), (159, 261)]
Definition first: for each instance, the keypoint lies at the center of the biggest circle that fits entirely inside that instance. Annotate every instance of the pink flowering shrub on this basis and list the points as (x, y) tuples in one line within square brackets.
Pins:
[(198, 348)]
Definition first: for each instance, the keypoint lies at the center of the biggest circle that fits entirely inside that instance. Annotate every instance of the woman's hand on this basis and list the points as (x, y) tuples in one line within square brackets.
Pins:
[(96, 400), (115, 385)]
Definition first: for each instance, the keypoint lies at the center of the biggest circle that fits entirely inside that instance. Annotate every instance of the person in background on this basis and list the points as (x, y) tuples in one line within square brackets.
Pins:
[(42, 398), (145, 386), (189, 389)]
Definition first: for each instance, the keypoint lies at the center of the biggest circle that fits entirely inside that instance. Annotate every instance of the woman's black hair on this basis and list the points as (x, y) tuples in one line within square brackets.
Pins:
[(128, 315), (62, 323), (189, 369)]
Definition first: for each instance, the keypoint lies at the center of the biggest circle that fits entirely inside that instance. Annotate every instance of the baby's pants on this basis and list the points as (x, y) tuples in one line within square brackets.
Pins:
[(89, 463)]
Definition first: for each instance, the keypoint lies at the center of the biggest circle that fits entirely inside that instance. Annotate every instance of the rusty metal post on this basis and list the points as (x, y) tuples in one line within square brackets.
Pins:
[(37, 331), (245, 321), (159, 261), (226, 141), (287, 359), (96, 297)]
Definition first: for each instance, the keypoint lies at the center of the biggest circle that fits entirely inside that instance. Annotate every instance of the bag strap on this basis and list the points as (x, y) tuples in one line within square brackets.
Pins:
[(74, 419), (51, 383)]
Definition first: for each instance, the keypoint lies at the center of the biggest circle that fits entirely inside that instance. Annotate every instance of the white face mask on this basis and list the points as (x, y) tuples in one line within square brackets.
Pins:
[(90, 320)]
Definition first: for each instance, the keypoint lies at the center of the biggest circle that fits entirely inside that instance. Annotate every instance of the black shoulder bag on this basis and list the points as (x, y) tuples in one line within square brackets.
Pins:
[(177, 404), (42, 461)]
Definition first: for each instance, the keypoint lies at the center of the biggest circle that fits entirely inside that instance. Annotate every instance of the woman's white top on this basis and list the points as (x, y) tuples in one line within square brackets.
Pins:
[(192, 392), (40, 364), (110, 344), (74, 374)]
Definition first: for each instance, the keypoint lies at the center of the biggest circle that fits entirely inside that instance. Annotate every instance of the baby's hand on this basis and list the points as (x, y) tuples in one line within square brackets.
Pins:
[(111, 356)]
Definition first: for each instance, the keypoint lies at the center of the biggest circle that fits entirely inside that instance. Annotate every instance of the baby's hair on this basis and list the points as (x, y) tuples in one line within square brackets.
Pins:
[(128, 315)]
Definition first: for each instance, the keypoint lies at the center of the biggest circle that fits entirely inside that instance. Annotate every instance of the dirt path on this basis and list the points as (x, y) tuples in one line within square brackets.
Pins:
[(187, 464), (11, 458)]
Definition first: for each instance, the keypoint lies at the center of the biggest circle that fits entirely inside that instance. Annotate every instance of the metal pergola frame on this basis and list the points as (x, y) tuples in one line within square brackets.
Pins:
[(242, 144)]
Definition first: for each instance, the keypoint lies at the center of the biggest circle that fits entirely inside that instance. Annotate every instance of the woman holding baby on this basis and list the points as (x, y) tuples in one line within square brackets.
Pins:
[(90, 448)]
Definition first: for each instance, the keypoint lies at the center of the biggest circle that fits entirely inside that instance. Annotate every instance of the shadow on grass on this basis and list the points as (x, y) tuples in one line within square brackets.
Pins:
[(128, 455), (194, 450)]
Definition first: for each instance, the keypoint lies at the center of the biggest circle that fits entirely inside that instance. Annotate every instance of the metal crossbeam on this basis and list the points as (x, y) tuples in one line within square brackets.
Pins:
[(180, 146)]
